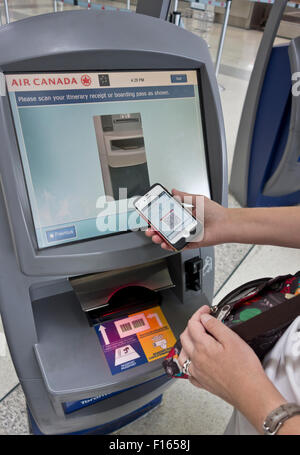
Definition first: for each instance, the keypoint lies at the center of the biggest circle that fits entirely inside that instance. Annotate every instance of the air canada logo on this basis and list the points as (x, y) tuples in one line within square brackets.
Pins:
[(86, 80), (45, 81)]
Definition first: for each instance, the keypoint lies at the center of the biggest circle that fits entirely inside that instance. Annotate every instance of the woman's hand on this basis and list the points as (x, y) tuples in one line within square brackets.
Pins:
[(215, 217), (221, 362), (259, 226)]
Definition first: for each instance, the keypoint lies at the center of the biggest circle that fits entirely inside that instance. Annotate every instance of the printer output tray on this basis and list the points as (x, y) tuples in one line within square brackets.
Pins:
[(95, 291)]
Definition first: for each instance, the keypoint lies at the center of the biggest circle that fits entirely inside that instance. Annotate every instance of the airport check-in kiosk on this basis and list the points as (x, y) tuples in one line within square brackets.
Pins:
[(273, 167), (266, 162), (78, 281)]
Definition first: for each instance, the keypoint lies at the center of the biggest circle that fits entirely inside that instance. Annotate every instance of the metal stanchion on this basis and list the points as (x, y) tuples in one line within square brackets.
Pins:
[(6, 12), (175, 17), (128, 4), (222, 38)]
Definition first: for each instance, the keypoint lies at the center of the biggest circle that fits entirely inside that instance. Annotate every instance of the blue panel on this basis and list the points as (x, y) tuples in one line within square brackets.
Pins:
[(178, 78), (57, 97), (107, 427), (271, 130), (72, 406), (56, 235)]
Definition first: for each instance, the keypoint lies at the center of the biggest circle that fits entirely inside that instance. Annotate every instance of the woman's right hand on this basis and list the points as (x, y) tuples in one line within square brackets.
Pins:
[(215, 222)]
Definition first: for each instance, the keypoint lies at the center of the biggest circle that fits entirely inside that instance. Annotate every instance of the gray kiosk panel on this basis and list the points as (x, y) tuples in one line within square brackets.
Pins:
[(57, 354), (286, 178), (155, 8), (242, 151)]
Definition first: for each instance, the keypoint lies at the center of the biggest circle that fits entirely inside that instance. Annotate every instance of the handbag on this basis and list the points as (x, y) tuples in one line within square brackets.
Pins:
[(258, 311)]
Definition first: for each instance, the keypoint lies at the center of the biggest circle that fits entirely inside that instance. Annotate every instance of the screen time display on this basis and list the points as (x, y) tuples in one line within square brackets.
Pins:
[(91, 142)]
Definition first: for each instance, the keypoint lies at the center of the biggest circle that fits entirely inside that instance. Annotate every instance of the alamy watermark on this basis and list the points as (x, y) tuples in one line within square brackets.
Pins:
[(120, 215)]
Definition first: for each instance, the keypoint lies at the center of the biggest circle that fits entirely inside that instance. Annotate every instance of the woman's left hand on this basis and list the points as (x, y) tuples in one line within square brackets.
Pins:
[(221, 362)]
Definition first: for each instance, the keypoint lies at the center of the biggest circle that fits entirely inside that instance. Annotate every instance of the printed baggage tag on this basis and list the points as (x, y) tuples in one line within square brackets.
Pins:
[(136, 339)]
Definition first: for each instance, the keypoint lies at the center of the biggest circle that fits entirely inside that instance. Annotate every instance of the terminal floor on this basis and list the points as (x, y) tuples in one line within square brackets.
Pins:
[(185, 409)]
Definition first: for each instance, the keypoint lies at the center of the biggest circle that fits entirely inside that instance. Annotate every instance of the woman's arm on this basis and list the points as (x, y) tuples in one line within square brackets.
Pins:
[(264, 226), (267, 226), (223, 364)]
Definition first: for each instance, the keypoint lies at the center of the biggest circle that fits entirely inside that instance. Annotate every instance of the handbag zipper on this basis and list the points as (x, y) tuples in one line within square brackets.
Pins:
[(224, 312)]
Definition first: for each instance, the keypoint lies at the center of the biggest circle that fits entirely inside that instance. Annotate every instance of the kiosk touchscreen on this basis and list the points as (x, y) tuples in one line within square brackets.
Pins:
[(91, 115), (89, 139)]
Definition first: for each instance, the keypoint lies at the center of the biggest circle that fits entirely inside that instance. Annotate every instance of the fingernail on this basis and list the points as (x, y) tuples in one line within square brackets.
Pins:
[(205, 318)]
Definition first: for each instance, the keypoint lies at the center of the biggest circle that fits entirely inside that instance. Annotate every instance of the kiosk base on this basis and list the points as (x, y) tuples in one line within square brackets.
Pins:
[(107, 428)]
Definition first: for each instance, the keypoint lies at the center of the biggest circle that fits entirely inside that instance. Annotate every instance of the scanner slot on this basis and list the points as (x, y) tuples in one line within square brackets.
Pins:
[(117, 292), (125, 301)]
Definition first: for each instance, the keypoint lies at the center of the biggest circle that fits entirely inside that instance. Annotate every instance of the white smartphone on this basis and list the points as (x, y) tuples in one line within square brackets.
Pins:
[(176, 225)]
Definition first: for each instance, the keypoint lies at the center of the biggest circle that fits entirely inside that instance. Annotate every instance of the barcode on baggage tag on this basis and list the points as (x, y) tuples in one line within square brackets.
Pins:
[(135, 324), (138, 323), (126, 327), (131, 325)]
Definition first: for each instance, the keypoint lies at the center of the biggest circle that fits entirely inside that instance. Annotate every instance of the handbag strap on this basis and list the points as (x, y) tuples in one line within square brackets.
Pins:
[(277, 316), (258, 284)]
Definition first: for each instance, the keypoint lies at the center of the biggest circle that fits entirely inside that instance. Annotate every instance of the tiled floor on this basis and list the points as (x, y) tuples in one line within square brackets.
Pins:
[(193, 411), (8, 377)]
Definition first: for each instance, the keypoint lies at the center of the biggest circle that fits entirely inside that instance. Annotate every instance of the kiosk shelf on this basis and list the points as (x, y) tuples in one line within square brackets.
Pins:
[(70, 356)]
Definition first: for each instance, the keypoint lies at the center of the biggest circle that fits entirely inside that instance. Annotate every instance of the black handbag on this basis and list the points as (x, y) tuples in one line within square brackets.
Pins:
[(258, 311), (261, 310)]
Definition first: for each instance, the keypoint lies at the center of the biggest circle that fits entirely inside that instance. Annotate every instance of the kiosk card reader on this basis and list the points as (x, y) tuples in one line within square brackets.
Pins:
[(89, 305)]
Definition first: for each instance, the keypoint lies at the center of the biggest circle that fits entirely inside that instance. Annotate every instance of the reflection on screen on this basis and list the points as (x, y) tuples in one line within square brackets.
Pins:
[(87, 140)]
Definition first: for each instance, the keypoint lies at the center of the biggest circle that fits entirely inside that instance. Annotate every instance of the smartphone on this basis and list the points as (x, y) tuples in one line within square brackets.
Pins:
[(175, 224)]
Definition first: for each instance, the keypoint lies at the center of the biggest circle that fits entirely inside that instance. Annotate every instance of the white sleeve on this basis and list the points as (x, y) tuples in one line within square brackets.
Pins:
[(282, 366)]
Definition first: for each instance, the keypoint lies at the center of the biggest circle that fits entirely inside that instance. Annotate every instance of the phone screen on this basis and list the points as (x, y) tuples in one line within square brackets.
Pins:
[(168, 217)]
